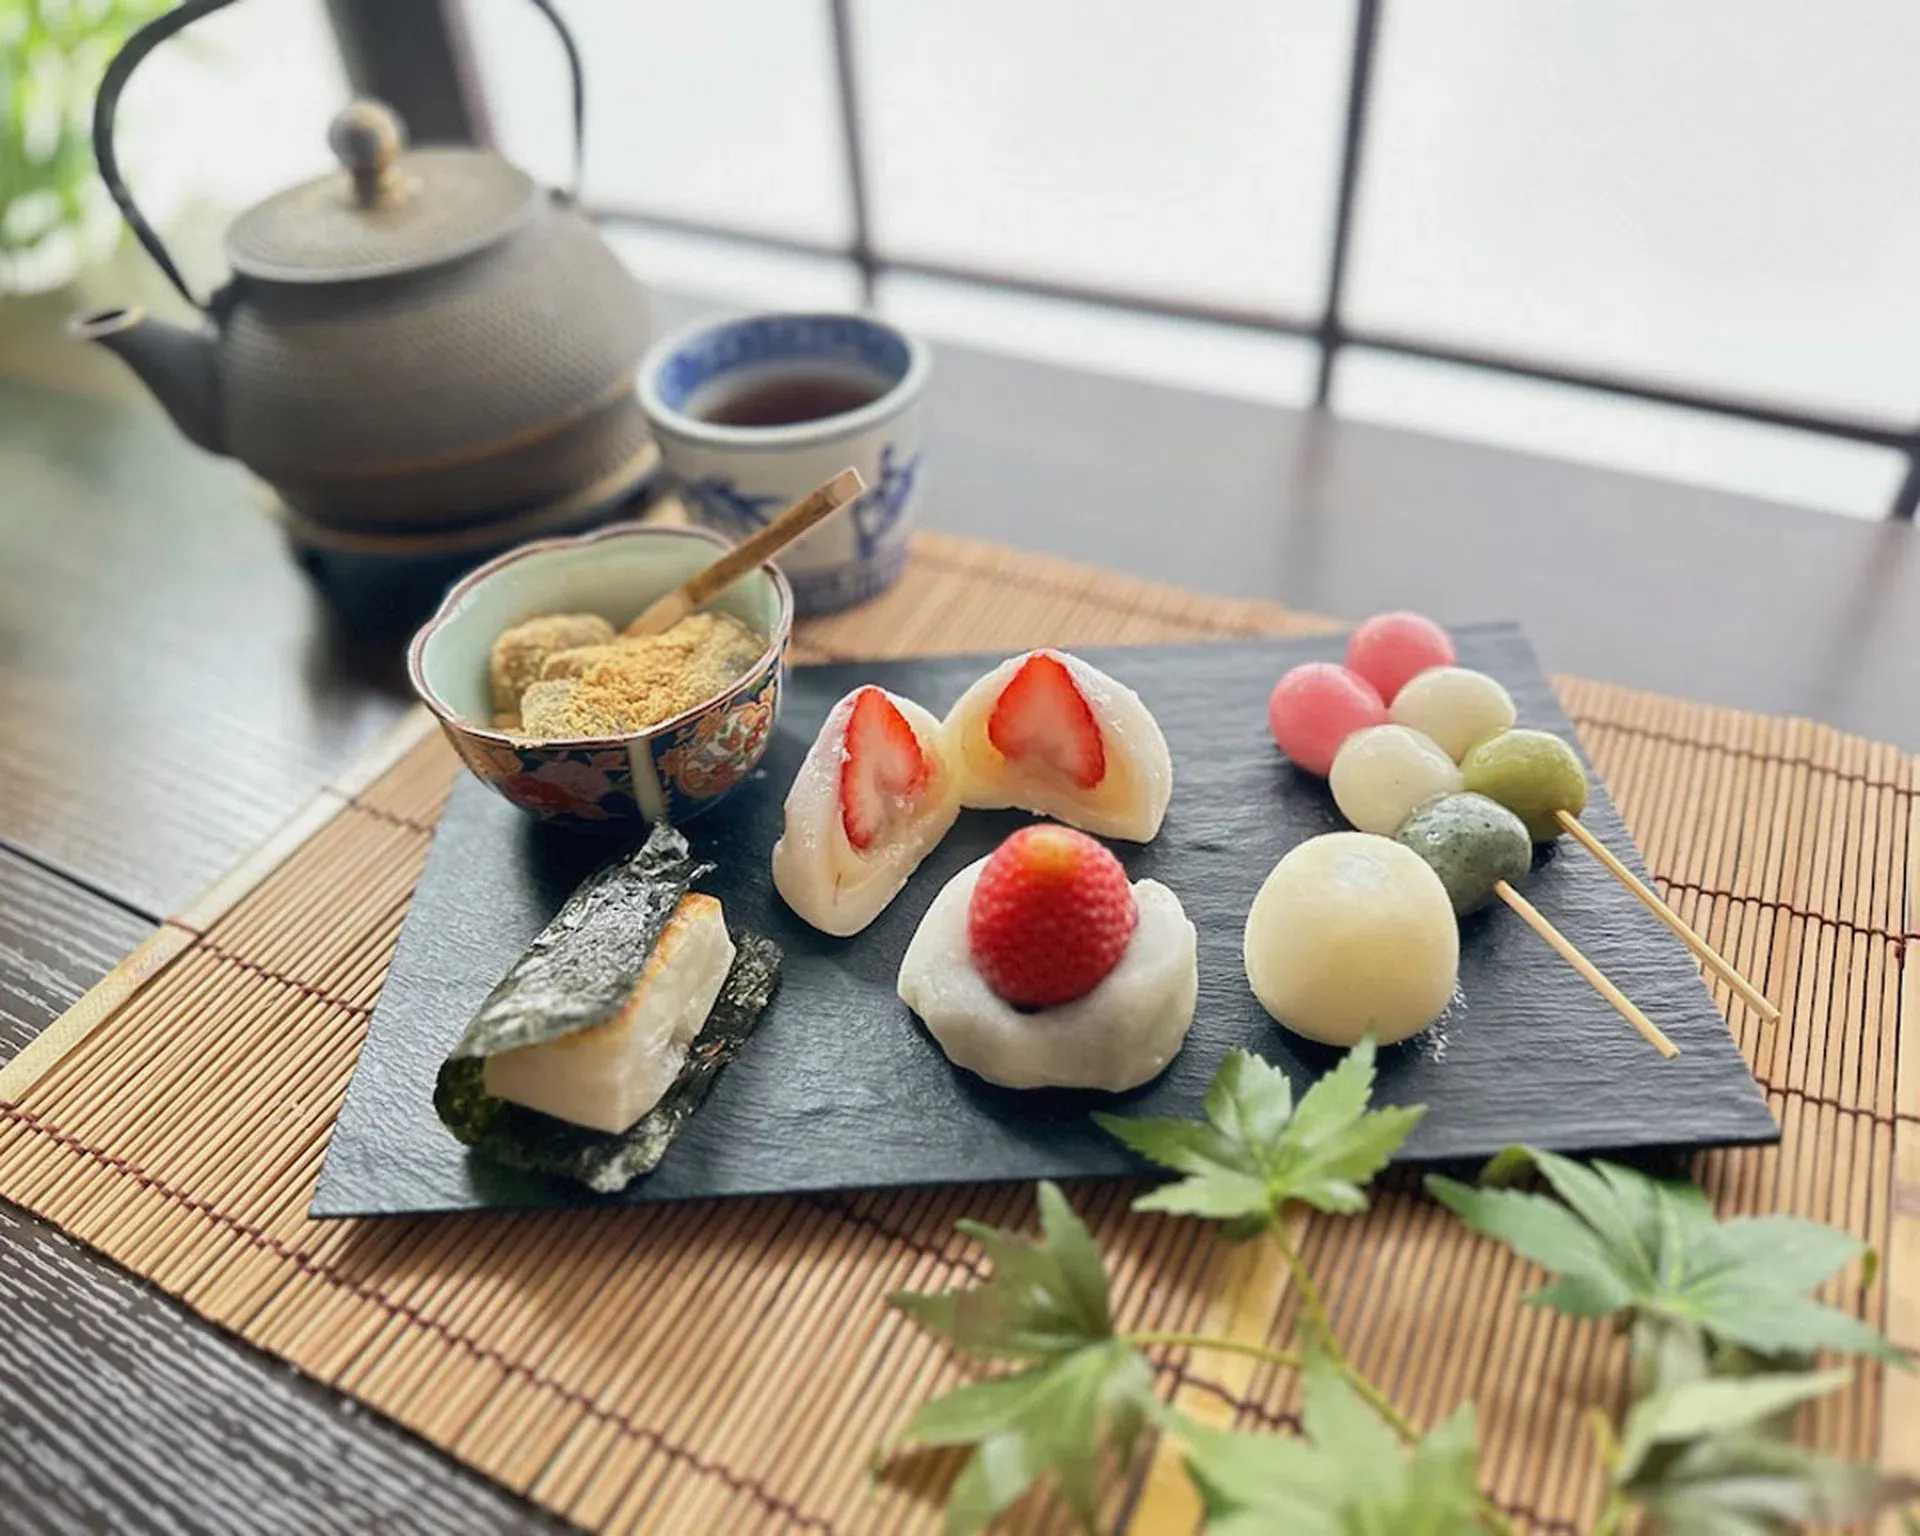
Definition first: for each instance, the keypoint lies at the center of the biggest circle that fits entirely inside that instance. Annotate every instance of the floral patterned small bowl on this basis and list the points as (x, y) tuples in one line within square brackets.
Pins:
[(675, 770)]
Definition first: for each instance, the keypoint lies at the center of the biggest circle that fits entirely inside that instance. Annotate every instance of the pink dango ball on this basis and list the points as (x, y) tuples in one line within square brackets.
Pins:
[(1391, 649), (1316, 707)]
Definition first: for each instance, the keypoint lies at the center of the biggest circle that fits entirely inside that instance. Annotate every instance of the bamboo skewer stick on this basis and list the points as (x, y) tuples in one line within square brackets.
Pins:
[(750, 553), (1705, 952), (1564, 947)]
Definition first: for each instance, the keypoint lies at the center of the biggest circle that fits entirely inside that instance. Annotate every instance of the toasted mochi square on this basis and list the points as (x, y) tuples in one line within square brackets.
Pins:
[(607, 1077)]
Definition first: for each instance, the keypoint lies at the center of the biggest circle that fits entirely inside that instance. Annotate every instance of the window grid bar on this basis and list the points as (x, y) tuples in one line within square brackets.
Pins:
[(1331, 332), (852, 144), (1906, 500)]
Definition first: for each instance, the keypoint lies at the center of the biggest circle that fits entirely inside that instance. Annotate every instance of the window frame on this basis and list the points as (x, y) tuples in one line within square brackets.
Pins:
[(419, 58)]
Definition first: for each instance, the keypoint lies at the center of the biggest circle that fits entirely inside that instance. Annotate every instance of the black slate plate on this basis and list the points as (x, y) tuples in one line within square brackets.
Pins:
[(842, 1088)]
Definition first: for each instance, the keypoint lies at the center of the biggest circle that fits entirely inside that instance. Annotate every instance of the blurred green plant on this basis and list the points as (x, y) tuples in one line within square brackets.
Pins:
[(54, 213)]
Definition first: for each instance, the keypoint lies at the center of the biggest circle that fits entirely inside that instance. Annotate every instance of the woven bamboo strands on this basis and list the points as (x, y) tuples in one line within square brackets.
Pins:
[(731, 1367)]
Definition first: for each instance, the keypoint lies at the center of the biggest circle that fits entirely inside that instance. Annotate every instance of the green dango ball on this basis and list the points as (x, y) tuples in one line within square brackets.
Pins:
[(1472, 843), (1533, 774)]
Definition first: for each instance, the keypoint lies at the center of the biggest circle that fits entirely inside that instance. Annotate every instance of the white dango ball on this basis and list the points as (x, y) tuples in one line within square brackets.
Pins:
[(1456, 706), (1352, 933), (1383, 774)]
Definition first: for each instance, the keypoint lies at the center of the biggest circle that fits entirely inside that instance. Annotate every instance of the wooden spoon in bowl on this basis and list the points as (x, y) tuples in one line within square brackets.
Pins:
[(750, 553)]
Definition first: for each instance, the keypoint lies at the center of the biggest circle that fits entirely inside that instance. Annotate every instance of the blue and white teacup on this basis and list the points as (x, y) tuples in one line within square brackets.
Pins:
[(751, 414)]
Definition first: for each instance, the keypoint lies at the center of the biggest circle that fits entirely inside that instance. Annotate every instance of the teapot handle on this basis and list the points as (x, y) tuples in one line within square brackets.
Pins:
[(578, 97), (154, 33)]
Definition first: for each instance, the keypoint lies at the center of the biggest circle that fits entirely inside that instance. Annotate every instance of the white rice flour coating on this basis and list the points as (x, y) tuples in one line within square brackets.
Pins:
[(1351, 933), (1120, 1035), (817, 871), (1130, 802)]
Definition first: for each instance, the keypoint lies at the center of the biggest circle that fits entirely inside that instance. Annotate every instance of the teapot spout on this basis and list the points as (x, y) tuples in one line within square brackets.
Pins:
[(179, 366)]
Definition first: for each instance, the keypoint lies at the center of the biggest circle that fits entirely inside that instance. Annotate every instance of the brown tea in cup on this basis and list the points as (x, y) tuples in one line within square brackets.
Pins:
[(790, 398)]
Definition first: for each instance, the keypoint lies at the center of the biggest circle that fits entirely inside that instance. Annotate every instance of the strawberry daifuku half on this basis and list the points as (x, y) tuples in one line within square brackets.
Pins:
[(1047, 733), (884, 768), (874, 797), (1041, 967)]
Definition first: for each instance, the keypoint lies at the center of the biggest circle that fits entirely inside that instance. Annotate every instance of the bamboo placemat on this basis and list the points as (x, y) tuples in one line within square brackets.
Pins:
[(731, 1367)]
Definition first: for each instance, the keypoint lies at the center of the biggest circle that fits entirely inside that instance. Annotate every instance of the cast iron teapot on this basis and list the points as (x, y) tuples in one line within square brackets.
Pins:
[(420, 341)]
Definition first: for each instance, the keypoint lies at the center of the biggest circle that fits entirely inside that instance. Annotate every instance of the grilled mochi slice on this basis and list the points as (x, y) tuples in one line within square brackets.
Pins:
[(1047, 733), (874, 797), (607, 1076)]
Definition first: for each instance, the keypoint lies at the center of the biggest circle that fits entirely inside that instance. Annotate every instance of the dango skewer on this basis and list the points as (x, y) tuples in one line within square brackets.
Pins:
[(1707, 955), (1539, 777), (1333, 720), (1479, 849)]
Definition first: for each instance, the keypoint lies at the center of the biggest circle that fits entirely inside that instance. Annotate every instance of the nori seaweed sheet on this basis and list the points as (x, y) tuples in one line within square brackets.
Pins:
[(580, 970), (575, 975), (525, 1138)]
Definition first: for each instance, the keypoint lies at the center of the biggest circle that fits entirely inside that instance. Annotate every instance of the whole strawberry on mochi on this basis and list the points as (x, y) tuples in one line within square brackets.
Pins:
[(1051, 915), (1042, 966)]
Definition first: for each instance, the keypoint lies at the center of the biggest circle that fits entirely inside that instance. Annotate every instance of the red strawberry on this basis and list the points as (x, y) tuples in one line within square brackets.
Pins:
[(884, 767), (1042, 714), (1051, 915)]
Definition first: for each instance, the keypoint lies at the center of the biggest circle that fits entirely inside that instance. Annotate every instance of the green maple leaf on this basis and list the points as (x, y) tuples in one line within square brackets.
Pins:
[(1257, 1150), (1698, 1460), (1695, 1409), (1347, 1476), (1084, 1389), (1625, 1242), (1046, 1298)]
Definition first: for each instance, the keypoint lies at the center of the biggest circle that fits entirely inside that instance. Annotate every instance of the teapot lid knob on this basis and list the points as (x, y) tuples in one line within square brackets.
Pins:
[(367, 137)]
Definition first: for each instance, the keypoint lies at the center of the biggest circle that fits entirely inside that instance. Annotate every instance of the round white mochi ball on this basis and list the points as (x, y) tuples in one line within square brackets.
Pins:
[(1382, 775), (1456, 706), (1352, 933)]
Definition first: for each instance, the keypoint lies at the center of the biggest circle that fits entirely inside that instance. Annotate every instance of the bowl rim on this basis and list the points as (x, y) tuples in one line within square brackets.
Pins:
[(668, 421), (480, 574)]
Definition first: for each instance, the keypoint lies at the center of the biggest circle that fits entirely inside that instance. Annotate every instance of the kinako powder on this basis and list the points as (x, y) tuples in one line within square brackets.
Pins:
[(614, 685)]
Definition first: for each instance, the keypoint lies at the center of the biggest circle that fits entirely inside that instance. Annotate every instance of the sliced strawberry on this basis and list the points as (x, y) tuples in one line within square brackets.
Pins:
[(885, 768), (1041, 715)]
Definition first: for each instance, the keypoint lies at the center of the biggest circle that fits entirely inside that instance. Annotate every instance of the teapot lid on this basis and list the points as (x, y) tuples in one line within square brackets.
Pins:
[(387, 210)]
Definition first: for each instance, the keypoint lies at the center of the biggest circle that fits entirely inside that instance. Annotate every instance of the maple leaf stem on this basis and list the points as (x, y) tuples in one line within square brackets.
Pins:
[(1494, 1518), (1282, 1357), (1381, 1404), (1319, 1323), (1612, 1519)]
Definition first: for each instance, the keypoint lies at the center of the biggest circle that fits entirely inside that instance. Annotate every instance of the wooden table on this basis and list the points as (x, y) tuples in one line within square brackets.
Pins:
[(171, 687)]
